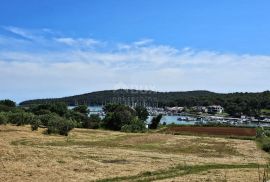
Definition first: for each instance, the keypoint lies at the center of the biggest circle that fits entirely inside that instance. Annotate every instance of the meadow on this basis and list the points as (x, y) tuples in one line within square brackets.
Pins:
[(100, 155)]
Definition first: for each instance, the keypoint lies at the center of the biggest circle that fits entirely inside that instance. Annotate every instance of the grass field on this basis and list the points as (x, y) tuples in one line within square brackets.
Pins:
[(220, 131), (97, 155)]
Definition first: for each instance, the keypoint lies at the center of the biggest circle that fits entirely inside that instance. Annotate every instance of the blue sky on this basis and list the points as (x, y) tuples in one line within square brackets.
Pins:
[(56, 48)]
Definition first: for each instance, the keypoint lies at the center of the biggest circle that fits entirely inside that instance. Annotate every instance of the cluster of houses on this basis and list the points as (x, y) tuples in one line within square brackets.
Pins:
[(214, 109)]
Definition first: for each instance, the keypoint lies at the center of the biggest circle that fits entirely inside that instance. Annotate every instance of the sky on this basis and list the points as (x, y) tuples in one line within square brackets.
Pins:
[(56, 48)]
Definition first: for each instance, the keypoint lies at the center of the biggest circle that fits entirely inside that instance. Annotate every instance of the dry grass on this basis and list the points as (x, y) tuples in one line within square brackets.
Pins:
[(89, 155)]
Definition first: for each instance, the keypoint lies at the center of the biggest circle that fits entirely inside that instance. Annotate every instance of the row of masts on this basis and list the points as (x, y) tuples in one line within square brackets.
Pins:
[(129, 101)]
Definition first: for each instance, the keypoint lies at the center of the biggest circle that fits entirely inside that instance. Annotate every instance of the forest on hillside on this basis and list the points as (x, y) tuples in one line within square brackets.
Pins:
[(234, 103)]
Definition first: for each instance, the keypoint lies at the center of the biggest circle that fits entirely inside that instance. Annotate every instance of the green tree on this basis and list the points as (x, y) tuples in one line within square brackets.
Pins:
[(82, 109), (8, 103), (118, 116), (142, 113), (93, 122), (21, 118), (155, 122), (136, 125), (59, 125), (41, 109), (3, 118)]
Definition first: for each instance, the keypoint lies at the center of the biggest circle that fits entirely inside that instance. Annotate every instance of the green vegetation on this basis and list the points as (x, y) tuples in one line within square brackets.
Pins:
[(265, 112), (21, 118), (58, 119), (155, 122), (235, 104), (142, 113), (3, 118), (121, 117), (8, 103), (179, 170), (263, 138), (134, 126), (83, 109), (60, 125)]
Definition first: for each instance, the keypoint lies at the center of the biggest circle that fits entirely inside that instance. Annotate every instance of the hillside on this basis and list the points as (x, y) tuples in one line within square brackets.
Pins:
[(234, 103), (125, 96)]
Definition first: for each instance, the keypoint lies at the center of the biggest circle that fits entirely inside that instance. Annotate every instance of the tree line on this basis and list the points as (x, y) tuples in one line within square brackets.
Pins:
[(235, 104), (58, 119)]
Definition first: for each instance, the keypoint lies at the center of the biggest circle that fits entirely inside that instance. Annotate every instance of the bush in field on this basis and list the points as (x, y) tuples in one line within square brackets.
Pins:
[(35, 124), (45, 118), (265, 143), (3, 118), (118, 116), (121, 117), (136, 125), (267, 133), (260, 132), (142, 113), (57, 108), (266, 147), (92, 122), (77, 116), (4, 108), (155, 122), (21, 118), (59, 125)]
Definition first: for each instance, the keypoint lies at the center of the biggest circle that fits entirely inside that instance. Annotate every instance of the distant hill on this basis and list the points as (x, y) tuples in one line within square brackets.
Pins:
[(129, 97), (236, 104)]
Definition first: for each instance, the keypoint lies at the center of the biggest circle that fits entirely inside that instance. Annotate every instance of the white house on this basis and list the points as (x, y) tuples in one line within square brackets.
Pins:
[(215, 109)]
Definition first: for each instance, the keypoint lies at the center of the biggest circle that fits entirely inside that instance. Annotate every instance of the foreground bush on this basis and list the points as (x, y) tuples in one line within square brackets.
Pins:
[(118, 117), (264, 142), (3, 118), (46, 118), (155, 122), (35, 124), (59, 125), (21, 118), (93, 122), (136, 125)]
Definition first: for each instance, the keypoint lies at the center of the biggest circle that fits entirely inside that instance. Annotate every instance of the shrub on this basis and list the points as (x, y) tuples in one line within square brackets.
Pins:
[(267, 133), (77, 116), (82, 109), (35, 124), (124, 118), (45, 118), (135, 126), (118, 118), (59, 125), (21, 118), (4, 108), (8, 103), (58, 108), (3, 118), (155, 122), (92, 122), (142, 113), (265, 144)]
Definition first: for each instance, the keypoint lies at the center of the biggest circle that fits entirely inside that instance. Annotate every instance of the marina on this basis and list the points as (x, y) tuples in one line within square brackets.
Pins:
[(189, 119)]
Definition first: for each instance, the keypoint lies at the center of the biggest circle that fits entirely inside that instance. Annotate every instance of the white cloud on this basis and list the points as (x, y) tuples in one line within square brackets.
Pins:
[(143, 42), (21, 32), (62, 72), (78, 42)]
